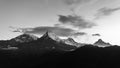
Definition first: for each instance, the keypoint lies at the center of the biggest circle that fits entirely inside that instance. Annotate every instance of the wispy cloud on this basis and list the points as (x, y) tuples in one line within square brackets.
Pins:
[(75, 21), (105, 12), (96, 34), (75, 5)]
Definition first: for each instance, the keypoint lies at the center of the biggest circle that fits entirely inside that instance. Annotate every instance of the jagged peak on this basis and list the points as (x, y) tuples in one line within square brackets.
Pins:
[(100, 40), (46, 34), (101, 43), (71, 41), (52, 35)]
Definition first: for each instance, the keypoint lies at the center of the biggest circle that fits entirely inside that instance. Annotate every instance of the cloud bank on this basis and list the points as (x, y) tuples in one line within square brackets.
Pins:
[(63, 32), (75, 21), (70, 20)]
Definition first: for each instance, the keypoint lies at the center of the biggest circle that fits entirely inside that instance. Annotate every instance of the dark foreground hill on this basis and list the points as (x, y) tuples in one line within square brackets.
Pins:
[(88, 56)]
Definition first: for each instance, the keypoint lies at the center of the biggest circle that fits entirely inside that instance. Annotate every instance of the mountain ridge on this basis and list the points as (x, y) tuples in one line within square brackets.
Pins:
[(47, 38), (46, 42)]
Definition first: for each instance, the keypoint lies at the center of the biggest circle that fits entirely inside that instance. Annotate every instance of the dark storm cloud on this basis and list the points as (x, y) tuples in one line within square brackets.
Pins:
[(106, 11), (76, 21), (41, 30), (96, 35)]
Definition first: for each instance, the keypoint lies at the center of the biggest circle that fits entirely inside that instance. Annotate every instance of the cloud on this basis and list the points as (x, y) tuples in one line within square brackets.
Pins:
[(75, 21), (64, 32), (75, 5), (105, 12), (96, 35), (73, 2), (79, 34)]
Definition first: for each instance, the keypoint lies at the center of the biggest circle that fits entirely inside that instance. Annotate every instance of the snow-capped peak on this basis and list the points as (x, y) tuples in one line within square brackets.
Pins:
[(25, 38), (101, 43), (68, 41), (51, 35)]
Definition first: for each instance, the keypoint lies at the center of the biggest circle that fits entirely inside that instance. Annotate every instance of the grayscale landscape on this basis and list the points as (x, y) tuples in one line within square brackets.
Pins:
[(59, 33)]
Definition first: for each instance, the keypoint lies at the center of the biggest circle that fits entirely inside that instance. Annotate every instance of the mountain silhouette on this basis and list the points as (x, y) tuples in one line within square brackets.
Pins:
[(48, 41), (49, 52), (24, 38), (101, 43)]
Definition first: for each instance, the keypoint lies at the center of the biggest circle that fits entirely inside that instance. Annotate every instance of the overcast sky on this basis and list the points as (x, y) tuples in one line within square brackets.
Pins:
[(64, 17)]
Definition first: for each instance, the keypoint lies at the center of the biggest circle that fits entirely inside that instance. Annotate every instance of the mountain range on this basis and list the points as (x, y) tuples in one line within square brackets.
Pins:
[(50, 51), (48, 40)]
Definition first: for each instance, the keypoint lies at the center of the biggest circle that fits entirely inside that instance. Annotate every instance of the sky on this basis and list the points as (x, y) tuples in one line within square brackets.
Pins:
[(84, 20)]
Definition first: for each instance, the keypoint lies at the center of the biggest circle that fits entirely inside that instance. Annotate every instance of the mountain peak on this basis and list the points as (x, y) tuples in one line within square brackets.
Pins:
[(72, 42), (25, 38), (71, 39), (51, 35), (101, 43), (46, 34)]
